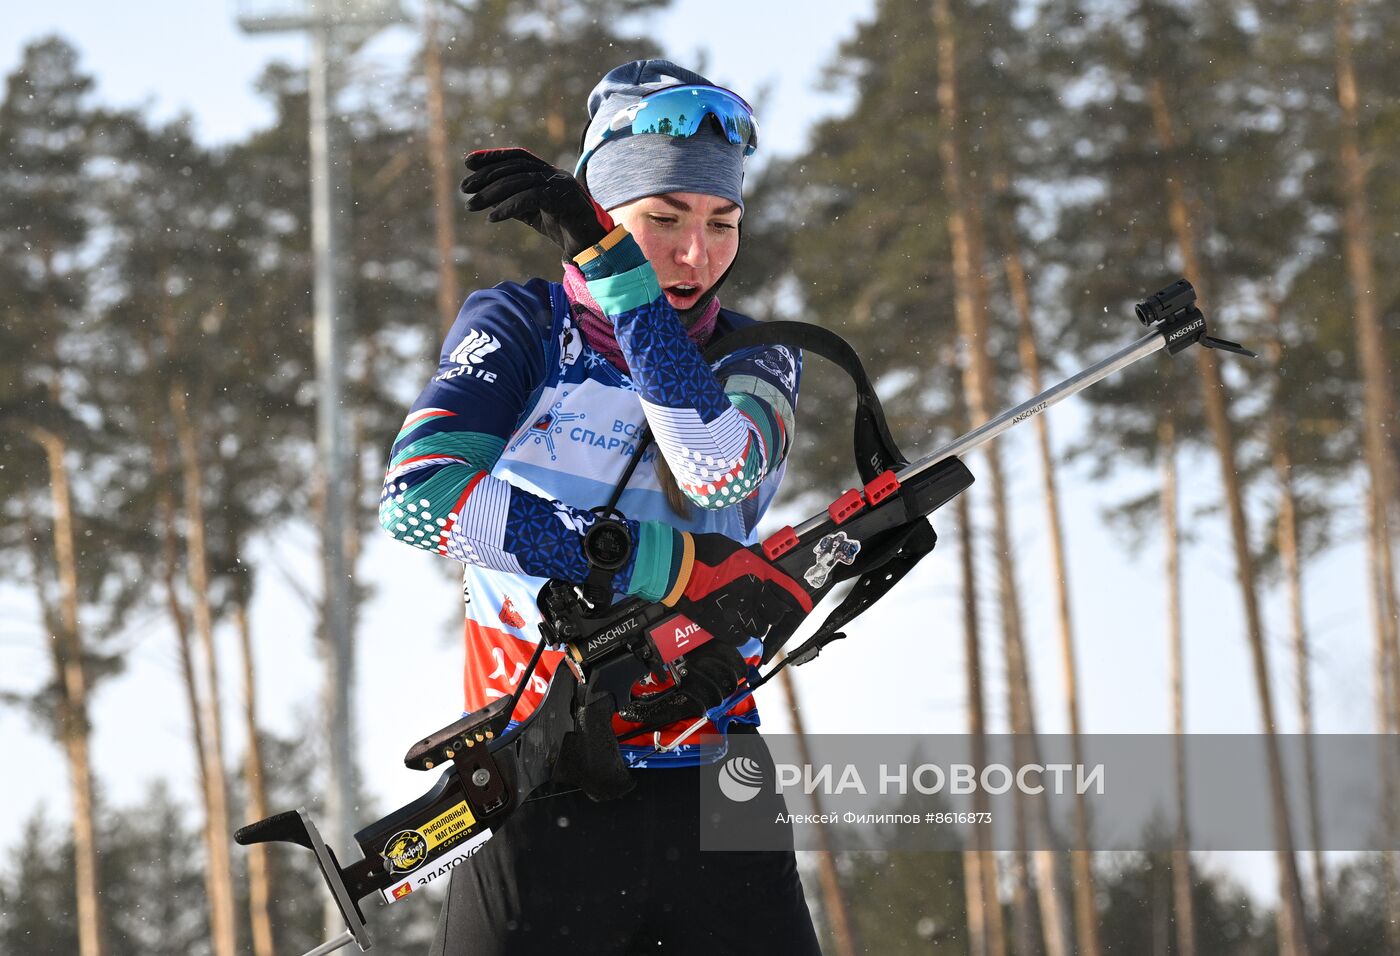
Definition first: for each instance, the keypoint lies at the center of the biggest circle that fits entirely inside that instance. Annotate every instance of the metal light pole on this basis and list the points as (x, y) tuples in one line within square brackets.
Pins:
[(326, 23), (327, 221)]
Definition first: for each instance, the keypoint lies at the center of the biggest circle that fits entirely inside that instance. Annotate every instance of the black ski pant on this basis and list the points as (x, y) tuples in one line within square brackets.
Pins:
[(567, 875)]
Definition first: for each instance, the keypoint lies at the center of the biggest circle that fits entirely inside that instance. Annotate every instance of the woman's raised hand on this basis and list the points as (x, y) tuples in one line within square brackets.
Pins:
[(514, 183)]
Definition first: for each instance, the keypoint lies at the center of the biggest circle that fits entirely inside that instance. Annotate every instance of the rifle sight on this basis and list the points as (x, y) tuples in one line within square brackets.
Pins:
[(1166, 303)]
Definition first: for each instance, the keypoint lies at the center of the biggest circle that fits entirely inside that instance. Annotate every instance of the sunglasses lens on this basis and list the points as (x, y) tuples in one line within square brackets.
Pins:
[(680, 111)]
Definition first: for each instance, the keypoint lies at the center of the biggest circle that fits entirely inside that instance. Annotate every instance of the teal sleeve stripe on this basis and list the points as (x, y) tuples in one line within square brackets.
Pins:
[(410, 429), (651, 569), (623, 257), (764, 391), (478, 448), (767, 424), (417, 524), (630, 290)]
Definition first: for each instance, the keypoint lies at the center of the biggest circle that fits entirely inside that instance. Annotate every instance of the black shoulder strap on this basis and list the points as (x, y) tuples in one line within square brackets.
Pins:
[(889, 557), (875, 449)]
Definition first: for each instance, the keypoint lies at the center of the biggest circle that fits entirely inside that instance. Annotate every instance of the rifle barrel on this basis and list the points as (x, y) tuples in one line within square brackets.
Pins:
[(1143, 347)]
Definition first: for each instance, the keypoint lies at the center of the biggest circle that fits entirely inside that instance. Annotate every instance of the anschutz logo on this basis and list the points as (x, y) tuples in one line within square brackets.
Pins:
[(1186, 329), (610, 635), (1029, 412)]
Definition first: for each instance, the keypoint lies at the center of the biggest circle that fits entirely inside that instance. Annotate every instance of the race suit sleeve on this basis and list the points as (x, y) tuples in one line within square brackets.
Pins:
[(721, 439), (439, 494)]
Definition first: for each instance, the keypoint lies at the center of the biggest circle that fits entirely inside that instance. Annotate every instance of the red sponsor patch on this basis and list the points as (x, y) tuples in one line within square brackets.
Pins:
[(676, 636), (401, 891)]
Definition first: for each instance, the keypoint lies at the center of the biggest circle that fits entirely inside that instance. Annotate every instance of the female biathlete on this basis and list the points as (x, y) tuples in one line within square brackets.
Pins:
[(541, 395)]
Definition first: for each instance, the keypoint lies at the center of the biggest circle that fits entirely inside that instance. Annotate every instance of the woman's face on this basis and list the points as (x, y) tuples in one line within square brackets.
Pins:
[(690, 239)]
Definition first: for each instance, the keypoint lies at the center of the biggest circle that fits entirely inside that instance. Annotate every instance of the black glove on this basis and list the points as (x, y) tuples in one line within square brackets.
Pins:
[(514, 183), (735, 593), (712, 672), (588, 755)]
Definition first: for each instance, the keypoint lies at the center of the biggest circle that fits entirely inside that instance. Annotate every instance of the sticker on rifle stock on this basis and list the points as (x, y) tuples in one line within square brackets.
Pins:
[(832, 548), (441, 868), (676, 636), (407, 849)]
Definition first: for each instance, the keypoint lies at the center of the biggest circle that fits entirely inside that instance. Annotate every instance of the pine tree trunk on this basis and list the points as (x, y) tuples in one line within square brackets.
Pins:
[(1388, 767), (1171, 537), (986, 929), (74, 730), (1161, 909), (833, 900), (975, 882), (972, 902), (970, 307), (1086, 913), (448, 297), (1387, 697), (1358, 246), (1293, 933), (1287, 538), (1023, 931), (1358, 242), (556, 126), (170, 561), (223, 925), (259, 873), (1054, 921)]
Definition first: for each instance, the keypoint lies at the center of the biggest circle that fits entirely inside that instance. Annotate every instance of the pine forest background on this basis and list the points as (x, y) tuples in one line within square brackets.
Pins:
[(1005, 181)]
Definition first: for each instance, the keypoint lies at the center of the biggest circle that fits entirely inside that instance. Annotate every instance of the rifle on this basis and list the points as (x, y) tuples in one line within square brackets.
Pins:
[(875, 534)]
